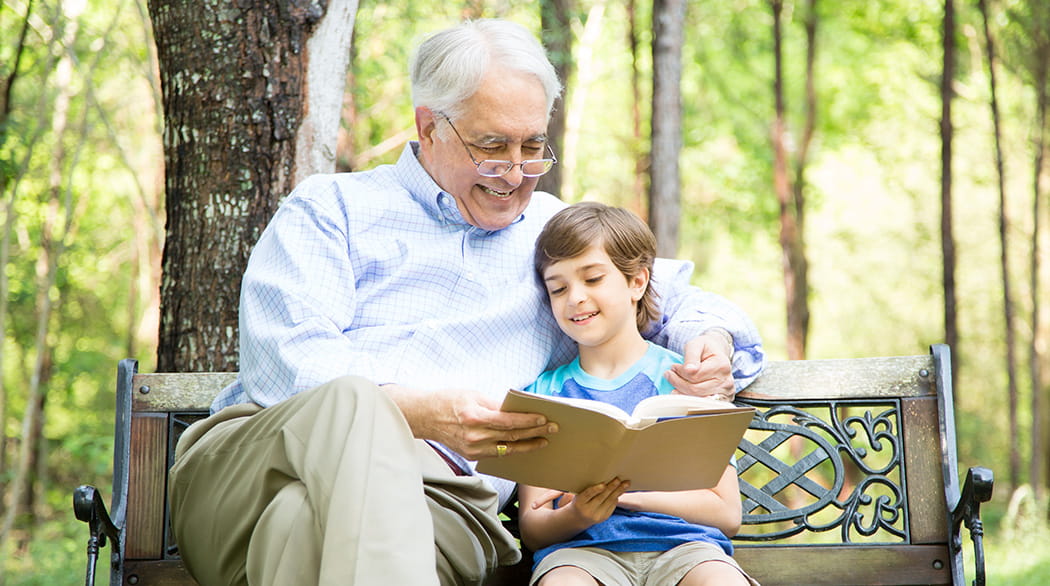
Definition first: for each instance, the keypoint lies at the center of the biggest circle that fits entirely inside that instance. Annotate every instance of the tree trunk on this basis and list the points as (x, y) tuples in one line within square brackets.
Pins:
[(1008, 309), (252, 97), (1037, 464), (664, 176), (951, 334), (789, 196), (555, 22), (799, 306), (641, 156)]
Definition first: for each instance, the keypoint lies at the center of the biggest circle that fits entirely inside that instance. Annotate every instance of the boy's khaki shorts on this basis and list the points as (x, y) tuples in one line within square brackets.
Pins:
[(653, 568)]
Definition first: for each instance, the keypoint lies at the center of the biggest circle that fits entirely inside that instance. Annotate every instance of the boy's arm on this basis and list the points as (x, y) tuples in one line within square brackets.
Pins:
[(543, 525), (717, 507)]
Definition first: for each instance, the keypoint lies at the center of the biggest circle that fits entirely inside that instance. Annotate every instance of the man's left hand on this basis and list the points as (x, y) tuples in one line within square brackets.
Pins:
[(707, 370)]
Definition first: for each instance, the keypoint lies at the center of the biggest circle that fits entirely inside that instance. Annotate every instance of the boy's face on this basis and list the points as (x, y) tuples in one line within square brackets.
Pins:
[(592, 301)]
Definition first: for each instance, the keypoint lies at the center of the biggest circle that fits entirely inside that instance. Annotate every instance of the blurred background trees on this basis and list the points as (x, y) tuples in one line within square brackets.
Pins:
[(810, 190)]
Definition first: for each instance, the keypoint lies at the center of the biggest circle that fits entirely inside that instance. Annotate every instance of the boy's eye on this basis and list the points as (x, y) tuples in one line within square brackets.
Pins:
[(555, 291), (596, 279)]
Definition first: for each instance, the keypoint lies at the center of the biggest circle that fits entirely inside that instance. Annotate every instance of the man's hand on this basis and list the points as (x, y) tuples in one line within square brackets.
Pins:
[(469, 422), (707, 370)]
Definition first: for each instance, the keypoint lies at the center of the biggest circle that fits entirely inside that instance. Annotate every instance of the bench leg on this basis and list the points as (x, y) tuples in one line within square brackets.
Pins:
[(89, 508), (976, 490)]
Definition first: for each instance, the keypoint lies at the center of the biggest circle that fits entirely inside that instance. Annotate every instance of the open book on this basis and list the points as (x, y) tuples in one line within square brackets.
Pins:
[(669, 442)]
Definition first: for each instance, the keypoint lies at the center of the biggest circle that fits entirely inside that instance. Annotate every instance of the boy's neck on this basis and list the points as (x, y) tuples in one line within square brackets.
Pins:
[(612, 359)]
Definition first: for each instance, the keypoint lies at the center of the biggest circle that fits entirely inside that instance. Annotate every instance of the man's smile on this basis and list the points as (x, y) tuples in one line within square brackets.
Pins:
[(493, 192)]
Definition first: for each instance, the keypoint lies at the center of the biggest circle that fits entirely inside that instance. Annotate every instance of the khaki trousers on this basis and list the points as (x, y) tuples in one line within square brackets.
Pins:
[(328, 487)]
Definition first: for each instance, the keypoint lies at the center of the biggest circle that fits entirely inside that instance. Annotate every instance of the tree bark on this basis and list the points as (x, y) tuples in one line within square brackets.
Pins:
[(555, 22), (951, 333), (252, 97), (664, 173), (641, 155), (790, 191), (1004, 265)]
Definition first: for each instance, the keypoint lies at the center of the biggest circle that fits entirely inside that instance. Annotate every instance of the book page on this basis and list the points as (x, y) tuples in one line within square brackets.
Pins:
[(524, 402), (676, 405)]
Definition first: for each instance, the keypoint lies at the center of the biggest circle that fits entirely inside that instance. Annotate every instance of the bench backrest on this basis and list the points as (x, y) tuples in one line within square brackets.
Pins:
[(845, 473)]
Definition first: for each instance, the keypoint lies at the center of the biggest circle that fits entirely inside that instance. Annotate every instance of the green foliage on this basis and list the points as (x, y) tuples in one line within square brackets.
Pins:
[(82, 169)]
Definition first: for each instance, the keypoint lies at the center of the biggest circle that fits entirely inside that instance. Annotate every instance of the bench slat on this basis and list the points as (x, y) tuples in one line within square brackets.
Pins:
[(928, 509), (841, 378), (147, 472), (824, 565), (181, 391), (158, 573)]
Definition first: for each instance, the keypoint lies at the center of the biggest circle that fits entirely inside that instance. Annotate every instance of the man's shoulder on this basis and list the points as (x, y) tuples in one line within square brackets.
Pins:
[(542, 206), (360, 196), (354, 188)]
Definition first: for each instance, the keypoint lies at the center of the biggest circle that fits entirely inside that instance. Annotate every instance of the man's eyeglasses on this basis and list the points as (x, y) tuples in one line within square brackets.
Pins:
[(491, 168)]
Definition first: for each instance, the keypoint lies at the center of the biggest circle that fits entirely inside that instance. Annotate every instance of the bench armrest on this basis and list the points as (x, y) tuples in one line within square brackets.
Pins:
[(89, 507), (976, 490)]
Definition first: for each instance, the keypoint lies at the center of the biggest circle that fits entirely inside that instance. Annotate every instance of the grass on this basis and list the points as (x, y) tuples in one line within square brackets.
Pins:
[(1016, 542)]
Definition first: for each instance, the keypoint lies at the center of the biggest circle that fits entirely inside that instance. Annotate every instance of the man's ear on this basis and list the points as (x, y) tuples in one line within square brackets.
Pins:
[(426, 125)]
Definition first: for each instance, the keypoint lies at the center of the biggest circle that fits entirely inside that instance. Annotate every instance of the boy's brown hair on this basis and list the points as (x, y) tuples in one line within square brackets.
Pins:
[(627, 240)]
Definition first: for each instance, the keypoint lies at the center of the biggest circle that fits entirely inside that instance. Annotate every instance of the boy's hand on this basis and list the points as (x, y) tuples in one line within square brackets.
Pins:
[(596, 503)]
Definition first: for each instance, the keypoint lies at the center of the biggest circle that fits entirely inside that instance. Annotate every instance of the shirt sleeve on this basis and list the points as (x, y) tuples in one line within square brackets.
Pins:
[(688, 311), (297, 297)]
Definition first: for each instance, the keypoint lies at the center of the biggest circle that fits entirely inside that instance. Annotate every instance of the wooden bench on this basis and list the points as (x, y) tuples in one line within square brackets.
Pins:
[(847, 475)]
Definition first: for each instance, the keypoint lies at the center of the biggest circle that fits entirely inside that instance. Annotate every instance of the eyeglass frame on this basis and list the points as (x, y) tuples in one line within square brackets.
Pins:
[(508, 164)]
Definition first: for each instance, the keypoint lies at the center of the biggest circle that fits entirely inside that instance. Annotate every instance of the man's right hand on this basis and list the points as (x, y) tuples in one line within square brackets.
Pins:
[(469, 422)]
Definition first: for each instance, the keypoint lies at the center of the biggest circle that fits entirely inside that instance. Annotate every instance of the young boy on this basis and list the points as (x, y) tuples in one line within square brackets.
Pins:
[(595, 262)]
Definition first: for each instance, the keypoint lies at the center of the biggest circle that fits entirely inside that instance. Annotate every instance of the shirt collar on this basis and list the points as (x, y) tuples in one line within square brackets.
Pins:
[(437, 202)]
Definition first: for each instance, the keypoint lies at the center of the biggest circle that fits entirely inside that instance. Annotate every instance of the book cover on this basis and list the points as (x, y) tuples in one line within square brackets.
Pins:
[(669, 442)]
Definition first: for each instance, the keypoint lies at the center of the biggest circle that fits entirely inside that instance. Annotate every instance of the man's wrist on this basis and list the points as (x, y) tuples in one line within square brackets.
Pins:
[(725, 336)]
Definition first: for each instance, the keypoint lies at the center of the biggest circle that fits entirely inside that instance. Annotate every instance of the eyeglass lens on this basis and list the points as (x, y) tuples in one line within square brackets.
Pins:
[(491, 168), (532, 168)]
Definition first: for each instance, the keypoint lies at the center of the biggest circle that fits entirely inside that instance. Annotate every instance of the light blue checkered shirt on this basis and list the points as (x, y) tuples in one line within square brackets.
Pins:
[(377, 274)]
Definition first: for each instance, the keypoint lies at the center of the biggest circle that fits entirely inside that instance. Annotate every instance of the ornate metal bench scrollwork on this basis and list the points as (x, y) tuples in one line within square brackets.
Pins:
[(825, 471)]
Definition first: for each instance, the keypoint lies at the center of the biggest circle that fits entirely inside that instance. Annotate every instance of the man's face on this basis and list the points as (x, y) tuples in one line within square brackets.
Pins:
[(506, 119)]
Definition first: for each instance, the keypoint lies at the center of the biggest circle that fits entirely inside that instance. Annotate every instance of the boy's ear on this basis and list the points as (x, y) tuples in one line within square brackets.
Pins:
[(638, 284)]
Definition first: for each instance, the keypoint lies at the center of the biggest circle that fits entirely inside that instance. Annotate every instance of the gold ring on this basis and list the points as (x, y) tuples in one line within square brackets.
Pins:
[(501, 449)]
